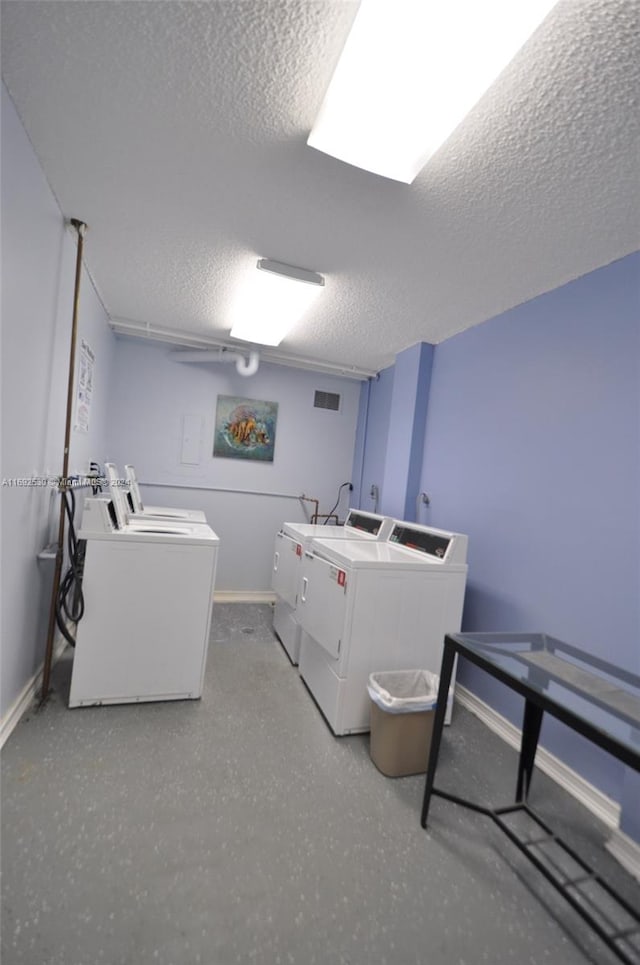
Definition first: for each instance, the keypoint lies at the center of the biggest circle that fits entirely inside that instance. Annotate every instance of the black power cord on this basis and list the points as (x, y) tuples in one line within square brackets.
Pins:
[(96, 472), (335, 505), (70, 601)]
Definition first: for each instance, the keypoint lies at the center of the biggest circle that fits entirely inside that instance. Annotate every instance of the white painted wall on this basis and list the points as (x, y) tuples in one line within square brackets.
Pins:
[(38, 268), (313, 450)]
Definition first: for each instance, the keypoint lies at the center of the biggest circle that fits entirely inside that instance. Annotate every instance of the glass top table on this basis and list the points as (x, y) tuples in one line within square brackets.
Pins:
[(594, 698)]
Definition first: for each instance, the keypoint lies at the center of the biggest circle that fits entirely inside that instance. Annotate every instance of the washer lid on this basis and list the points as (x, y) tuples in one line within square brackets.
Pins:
[(307, 531), (150, 527), (174, 516), (198, 533), (358, 525), (365, 554), (191, 534), (183, 527)]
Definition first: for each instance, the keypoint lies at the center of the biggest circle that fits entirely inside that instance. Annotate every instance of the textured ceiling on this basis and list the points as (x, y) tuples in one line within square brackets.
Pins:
[(177, 131)]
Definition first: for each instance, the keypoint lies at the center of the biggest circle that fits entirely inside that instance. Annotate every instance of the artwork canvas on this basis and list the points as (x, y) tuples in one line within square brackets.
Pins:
[(245, 428)]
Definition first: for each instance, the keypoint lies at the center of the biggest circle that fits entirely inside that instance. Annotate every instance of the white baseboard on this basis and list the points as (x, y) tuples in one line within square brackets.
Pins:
[(625, 850), (604, 808), (244, 596), (26, 695)]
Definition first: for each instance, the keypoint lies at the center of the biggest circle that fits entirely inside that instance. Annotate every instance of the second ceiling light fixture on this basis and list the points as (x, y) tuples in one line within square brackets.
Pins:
[(271, 300)]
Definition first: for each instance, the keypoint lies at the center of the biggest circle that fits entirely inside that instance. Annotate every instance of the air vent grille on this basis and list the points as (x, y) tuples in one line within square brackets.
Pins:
[(326, 400)]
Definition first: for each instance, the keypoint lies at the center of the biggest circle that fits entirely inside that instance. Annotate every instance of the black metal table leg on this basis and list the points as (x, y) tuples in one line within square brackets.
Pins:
[(446, 671), (531, 723), (540, 660)]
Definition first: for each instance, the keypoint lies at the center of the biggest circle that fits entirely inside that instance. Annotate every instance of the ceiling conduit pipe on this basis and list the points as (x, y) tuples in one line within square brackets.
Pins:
[(246, 367)]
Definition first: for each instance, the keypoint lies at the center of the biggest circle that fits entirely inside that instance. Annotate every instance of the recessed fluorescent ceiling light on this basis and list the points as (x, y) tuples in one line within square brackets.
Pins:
[(410, 71), (271, 300)]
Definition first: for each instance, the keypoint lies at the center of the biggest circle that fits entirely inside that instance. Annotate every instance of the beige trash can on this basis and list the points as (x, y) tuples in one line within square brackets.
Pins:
[(402, 713)]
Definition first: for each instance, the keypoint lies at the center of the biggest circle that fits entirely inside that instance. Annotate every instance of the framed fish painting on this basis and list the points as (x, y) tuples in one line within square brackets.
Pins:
[(245, 428)]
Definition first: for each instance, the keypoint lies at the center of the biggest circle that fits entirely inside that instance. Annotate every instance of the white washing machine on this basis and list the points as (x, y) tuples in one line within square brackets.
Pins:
[(126, 498), (291, 541), (148, 594), (368, 606), (164, 512)]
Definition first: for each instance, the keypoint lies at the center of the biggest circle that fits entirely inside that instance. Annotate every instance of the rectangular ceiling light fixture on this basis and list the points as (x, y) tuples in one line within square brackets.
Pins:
[(409, 73), (271, 300)]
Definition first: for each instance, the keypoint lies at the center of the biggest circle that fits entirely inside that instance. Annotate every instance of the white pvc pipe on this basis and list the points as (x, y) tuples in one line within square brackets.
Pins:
[(220, 489), (248, 367), (244, 366)]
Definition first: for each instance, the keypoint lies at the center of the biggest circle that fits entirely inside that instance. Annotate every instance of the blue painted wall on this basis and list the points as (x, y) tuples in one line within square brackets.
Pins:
[(532, 448), (411, 381), (371, 438)]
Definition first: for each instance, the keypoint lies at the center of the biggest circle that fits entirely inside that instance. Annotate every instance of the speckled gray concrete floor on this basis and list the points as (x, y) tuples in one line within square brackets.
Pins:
[(237, 829)]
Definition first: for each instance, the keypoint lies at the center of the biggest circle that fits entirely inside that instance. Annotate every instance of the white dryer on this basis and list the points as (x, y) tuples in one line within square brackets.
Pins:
[(291, 541), (125, 502), (368, 606), (148, 593)]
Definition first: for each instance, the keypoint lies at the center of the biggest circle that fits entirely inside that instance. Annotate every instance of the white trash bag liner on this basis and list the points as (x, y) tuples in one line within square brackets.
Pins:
[(403, 691)]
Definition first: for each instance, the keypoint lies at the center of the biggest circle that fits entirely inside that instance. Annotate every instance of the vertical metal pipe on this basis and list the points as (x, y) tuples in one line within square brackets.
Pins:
[(63, 485), (316, 503)]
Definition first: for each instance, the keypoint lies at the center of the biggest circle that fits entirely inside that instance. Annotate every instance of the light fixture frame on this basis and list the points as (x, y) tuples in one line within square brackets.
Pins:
[(290, 271)]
